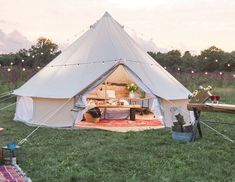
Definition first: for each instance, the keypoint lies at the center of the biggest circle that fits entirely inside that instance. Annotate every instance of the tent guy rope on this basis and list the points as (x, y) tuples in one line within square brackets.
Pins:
[(6, 93), (7, 106), (7, 98), (226, 137), (57, 110)]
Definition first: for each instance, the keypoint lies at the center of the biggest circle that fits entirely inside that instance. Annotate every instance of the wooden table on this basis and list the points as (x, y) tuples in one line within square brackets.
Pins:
[(135, 100), (131, 107), (207, 107), (210, 107)]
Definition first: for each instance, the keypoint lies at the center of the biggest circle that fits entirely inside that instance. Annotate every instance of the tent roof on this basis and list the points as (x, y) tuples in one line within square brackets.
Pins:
[(96, 52)]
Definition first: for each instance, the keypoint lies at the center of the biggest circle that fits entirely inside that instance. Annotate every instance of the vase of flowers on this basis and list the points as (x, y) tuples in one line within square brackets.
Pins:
[(132, 88)]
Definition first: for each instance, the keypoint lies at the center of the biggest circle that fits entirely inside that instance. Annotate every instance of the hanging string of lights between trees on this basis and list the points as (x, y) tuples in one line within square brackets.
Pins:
[(10, 68)]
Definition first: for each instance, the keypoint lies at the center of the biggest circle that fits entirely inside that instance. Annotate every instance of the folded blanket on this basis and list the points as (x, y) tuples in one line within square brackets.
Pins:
[(9, 173)]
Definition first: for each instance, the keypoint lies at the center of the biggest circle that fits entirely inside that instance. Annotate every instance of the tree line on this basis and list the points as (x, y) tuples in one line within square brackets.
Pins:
[(38, 55), (209, 60)]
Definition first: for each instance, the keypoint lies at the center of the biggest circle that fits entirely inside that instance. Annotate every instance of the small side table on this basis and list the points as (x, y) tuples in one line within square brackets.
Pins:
[(10, 153)]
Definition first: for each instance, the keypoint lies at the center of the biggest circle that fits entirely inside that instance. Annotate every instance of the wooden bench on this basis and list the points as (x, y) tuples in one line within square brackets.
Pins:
[(131, 107)]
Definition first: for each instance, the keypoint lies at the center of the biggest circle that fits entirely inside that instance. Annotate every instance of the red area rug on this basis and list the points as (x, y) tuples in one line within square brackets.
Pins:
[(12, 174), (121, 123)]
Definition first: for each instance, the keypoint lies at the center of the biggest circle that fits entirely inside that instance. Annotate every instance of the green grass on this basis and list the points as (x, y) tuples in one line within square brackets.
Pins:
[(95, 155)]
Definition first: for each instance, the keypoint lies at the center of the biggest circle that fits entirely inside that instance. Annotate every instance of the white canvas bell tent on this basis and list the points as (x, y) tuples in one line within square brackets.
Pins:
[(104, 52)]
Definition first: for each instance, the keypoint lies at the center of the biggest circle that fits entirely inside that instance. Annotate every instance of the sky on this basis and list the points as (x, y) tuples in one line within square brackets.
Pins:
[(191, 25)]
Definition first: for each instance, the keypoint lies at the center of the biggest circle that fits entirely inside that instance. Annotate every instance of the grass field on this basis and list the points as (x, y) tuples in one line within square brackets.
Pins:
[(94, 155)]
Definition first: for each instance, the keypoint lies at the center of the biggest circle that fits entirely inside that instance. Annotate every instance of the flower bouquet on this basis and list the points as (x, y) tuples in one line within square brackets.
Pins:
[(132, 88), (200, 95)]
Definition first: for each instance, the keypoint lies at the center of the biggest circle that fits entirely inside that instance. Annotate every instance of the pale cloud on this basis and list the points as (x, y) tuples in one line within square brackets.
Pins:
[(179, 24), (13, 42)]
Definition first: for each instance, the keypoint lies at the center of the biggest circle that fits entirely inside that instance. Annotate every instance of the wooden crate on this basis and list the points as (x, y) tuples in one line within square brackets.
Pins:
[(201, 97)]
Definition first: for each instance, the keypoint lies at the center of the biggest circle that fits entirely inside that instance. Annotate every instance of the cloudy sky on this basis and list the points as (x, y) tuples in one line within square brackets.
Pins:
[(171, 24)]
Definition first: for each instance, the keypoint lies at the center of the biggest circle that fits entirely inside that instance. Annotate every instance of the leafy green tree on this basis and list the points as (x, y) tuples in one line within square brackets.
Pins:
[(38, 55), (189, 62), (211, 59)]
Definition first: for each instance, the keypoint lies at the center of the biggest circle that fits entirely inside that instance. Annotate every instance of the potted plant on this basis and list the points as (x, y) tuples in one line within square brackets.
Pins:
[(132, 88)]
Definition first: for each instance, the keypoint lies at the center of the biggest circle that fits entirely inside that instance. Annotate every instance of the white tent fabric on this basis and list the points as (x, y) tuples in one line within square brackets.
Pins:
[(24, 109), (95, 53), (85, 64)]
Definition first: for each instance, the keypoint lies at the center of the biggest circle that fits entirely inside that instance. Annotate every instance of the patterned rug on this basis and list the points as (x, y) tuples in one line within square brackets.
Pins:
[(9, 173)]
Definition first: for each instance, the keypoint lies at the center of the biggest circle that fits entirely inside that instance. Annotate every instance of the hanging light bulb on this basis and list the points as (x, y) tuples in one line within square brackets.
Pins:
[(28, 54), (205, 57), (23, 69), (165, 67), (178, 69), (33, 56), (38, 67), (41, 53), (9, 69), (51, 49), (220, 73), (229, 65), (22, 60), (234, 76), (216, 60), (11, 63), (192, 71), (206, 73)]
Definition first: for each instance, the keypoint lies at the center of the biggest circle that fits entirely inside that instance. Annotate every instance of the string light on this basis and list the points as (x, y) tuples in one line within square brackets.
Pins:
[(22, 60), (41, 53), (103, 62), (51, 49), (33, 56), (216, 60), (205, 58), (28, 54), (228, 65)]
